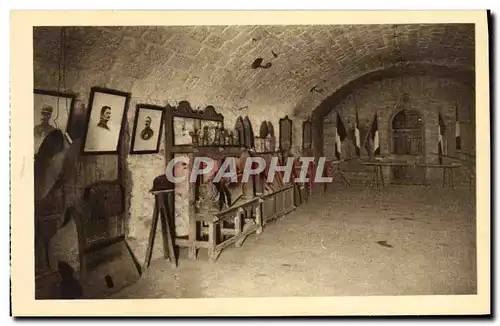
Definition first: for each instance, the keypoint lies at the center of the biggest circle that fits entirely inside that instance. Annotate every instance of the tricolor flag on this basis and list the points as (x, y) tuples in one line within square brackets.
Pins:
[(373, 141), (357, 138), (441, 129), (458, 139), (340, 135)]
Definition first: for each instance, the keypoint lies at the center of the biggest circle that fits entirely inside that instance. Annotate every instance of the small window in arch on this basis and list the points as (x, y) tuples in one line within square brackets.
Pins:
[(407, 119)]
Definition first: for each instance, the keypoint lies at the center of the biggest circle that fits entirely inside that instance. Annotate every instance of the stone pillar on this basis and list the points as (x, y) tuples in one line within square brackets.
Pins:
[(317, 135)]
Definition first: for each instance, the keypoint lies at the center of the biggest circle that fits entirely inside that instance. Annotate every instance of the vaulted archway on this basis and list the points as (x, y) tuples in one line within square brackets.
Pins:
[(465, 77)]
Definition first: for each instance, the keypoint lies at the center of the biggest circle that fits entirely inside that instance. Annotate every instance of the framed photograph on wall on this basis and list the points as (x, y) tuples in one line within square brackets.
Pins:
[(148, 128), (52, 110), (105, 120)]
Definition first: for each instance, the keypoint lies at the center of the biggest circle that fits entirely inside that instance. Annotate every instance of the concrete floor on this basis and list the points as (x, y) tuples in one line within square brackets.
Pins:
[(352, 241)]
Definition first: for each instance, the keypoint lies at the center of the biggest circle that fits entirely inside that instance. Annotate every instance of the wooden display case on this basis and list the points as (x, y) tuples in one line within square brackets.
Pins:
[(210, 215)]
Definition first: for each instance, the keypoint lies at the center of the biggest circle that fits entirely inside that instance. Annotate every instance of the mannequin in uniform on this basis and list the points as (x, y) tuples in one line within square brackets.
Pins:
[(44, 128)]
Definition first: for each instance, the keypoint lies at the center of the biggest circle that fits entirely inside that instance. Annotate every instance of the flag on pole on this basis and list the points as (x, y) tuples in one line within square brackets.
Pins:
[(458, 139), (374, 137), (357, 138), (441, 129), (372, 141), (340, 135)]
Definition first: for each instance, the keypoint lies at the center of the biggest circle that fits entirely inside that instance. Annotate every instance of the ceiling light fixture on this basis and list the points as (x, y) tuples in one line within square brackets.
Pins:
[(398, 54)]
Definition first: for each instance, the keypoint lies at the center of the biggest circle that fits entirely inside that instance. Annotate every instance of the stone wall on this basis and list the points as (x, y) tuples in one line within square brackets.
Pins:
[(210, 65), (140, 66), (428, 95)]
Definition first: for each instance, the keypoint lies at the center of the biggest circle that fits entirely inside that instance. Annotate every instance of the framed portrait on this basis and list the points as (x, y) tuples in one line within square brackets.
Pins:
[(148, 127), (52, 110), (182, 129), (105, 120)]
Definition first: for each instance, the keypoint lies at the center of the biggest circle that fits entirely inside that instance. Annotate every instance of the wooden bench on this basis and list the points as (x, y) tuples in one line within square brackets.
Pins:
[(229, 222)]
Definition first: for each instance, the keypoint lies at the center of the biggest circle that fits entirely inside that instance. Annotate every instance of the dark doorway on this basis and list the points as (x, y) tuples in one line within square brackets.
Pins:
[(408, 147)]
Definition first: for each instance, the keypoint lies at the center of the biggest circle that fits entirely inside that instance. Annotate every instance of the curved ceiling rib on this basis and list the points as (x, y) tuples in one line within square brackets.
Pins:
[(417, 69)]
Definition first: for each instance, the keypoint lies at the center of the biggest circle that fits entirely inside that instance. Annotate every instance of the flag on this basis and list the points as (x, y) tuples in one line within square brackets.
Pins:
[(340, 135), (373, 138), (458, 139), (357, 138), (441, 129)]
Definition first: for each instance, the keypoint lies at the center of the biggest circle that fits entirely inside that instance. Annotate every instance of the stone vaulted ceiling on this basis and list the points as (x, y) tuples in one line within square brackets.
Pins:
[(213, 63)]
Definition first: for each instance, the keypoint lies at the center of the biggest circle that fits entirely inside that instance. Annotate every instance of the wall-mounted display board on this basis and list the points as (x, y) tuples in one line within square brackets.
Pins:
[(285, 134)]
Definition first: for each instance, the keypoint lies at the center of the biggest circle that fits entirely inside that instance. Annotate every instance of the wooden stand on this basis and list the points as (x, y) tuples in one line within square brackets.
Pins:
[(378, 176), (161, 212), (468, 159), (448, 177), (335, 172), (338, 172)]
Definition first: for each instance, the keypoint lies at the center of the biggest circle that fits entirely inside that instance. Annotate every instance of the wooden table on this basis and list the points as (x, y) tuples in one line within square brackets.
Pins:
[(447, 170), (468, 159)]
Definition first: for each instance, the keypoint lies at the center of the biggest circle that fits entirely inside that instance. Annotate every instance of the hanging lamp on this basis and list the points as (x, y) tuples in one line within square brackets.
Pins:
[(400, 63)]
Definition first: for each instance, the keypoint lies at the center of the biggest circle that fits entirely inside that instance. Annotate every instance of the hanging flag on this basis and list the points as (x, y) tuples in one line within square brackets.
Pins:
[(357, 138), (458, 139), (441, 129), (368, 145), (340, 135), (374, 137)]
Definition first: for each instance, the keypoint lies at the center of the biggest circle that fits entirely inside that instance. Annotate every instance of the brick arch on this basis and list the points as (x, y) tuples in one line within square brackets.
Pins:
[(465, 76)]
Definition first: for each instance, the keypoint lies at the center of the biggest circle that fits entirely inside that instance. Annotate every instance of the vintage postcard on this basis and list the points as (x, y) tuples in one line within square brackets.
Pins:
[(250, 163)]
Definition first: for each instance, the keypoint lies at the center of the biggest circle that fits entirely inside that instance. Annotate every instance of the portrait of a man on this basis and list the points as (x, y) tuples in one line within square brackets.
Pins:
[(147, 131), (105, 118), (51, 111), (44, 127)]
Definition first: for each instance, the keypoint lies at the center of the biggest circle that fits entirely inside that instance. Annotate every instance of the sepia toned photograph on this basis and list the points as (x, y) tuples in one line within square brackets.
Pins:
[(52, 111), (148, 129), (353, 186), (106, 115)]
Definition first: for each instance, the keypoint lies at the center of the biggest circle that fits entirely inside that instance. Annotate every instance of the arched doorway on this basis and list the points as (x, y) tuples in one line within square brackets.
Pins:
[(408, 145)]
